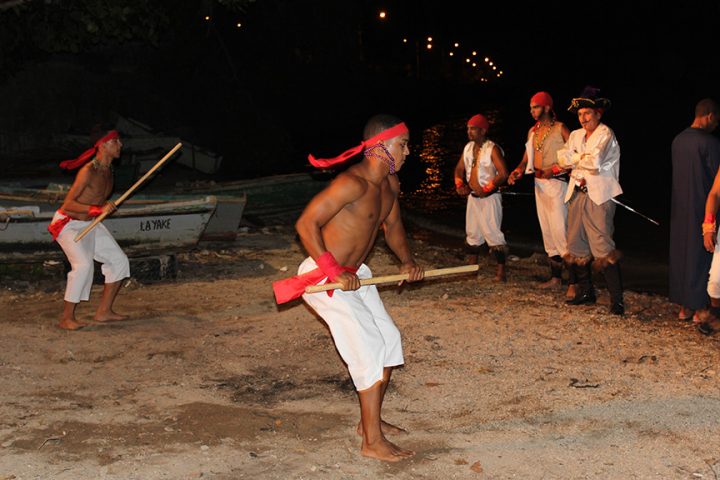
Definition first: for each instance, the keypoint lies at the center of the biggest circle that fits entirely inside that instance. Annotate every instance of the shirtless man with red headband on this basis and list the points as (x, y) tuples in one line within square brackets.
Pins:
[(86, 200), (338, 230)]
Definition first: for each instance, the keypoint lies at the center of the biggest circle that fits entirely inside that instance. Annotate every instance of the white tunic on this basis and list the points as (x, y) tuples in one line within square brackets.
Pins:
[(483, 216), (596, 160)]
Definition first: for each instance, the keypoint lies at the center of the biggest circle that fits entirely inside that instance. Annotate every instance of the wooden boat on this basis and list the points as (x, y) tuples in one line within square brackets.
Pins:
[(139, 229), (266, 196), (223, 224), (142, 146)]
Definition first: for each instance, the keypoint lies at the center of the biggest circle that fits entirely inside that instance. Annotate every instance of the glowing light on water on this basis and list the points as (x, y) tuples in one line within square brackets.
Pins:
[(432, 190)]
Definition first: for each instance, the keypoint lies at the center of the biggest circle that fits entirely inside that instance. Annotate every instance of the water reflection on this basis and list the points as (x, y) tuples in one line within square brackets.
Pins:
[(427, 179), (428, 182)]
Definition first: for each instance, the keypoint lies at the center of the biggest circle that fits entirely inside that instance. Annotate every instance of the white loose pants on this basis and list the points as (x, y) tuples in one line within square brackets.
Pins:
[(365, 336), (552, 214), (98, 245), (483, 219), (713, 287)]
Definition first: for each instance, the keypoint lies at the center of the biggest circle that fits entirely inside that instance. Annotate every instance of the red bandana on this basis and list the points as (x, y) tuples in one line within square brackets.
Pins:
[(479, 121), (87, 155), (543, 99), (391, 132)]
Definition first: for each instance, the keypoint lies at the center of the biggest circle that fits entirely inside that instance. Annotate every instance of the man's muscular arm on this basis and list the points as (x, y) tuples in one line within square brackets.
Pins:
[(711, 208), (519, 170), (322, 208), (396, 239)]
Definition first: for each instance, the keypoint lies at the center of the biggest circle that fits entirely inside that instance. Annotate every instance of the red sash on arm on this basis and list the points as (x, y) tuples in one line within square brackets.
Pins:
[(291, 288)]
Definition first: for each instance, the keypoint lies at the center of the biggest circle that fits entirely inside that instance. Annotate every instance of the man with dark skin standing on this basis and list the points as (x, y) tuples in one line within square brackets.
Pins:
[(479, 172), (695, 162), (544, 139), (86, 200), (338, 230)]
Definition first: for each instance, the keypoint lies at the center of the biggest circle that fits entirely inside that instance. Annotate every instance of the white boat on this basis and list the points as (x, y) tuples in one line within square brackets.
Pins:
[(223, 224), (140, 230)]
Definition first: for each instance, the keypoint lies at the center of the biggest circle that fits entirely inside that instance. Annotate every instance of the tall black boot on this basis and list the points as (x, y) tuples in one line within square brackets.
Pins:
[(613, 278), (585, 292)]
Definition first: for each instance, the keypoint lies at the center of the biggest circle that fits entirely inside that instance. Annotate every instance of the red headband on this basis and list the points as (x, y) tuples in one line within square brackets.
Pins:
[(89, 153), (479, 121), (543, 99), (391, 132)]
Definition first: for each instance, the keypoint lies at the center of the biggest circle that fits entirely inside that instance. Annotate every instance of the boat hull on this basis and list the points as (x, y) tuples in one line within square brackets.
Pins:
[(139, 230)]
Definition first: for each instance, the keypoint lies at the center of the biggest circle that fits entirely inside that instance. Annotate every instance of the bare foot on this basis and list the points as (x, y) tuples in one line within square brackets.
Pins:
[(71, 324), (685, 314), (571, 291), (554, 283), (385, 450), (385, 427), (109, 317)]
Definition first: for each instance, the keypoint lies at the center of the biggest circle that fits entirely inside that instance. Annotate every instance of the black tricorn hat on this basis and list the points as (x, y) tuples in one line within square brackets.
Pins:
[(589, 99)]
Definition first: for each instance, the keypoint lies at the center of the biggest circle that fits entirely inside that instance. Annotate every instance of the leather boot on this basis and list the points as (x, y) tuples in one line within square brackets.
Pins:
[(585, 292), (613, 278)]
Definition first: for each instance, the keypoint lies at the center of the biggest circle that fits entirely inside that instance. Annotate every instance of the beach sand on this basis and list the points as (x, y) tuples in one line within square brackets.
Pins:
[(211, 379)]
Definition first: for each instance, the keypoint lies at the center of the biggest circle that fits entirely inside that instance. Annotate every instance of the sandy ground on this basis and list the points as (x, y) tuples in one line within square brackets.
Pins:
[(211, 379)]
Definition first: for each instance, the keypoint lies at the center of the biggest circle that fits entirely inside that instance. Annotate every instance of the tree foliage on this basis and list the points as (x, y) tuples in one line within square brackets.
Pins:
[(32, 27)]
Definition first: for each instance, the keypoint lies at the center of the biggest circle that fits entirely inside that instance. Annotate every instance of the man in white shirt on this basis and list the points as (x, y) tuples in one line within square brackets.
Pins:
[(593, 154)]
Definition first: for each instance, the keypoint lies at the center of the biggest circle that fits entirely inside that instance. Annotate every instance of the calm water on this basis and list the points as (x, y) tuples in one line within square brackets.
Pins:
[(428, 191)]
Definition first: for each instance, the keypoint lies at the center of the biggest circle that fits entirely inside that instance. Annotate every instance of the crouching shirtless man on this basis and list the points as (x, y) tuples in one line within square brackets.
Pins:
[(338, 230)]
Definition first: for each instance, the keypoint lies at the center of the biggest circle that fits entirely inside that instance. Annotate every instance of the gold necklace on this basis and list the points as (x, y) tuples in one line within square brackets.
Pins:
[(539, 142)]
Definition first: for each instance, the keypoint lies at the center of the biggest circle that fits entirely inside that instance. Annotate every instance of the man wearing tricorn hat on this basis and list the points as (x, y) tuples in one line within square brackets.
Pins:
[(593, 154), (86, 200)]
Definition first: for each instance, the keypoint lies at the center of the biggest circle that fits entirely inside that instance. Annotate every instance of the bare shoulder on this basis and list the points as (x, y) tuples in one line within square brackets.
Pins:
[(349, 184), (83, 176)]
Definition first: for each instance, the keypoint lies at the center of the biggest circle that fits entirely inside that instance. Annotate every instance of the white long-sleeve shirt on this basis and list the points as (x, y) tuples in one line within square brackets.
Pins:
[(596, 160)]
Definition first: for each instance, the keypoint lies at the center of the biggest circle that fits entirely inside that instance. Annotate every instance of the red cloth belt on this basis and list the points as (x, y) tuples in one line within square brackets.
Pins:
[(56, 226), (291, 288)]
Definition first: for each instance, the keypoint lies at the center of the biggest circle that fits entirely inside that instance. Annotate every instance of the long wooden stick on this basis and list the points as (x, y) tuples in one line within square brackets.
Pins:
[(394, 278), (129, 192)]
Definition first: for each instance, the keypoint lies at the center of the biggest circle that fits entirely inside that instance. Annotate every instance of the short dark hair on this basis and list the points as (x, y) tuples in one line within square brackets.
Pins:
[(706, 106), (379, 123)]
